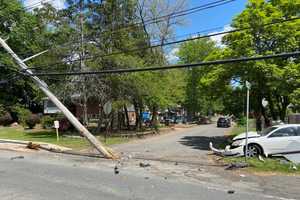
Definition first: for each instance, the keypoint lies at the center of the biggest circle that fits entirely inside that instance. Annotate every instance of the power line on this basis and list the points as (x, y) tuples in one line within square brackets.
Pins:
[(183, 12), (170, 43), (168, 67), (194, 34), (155, 41), (171, 15)]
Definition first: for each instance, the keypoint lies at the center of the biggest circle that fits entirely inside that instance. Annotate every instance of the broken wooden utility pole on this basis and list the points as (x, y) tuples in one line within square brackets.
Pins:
[(43, 86)]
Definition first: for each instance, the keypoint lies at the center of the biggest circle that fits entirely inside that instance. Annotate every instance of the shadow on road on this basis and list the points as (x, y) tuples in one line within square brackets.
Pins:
[(202, 142)]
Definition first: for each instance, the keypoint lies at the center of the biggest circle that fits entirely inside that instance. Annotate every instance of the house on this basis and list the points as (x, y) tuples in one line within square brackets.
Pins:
[(93, 110), (49, 107)]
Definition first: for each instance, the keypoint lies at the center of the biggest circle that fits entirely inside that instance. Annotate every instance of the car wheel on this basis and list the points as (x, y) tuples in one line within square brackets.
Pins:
[(254, 150)]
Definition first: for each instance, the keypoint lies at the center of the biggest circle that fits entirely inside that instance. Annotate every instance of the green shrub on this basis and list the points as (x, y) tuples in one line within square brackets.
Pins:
[(6, 119), (242, 121), (32, 120), (65, 125), (2, 110), (47, 121), (22, 114)]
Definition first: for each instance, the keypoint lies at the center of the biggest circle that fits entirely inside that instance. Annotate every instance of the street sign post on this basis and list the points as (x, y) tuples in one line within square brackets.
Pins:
[(56, 126), (248, 86), (264, 102), (107, 108)]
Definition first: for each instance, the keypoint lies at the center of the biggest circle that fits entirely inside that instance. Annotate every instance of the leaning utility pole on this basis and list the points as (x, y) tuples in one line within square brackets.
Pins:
[(43, 86)]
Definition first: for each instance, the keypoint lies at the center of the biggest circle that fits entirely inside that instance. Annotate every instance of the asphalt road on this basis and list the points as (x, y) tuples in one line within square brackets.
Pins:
[(47, 176), (39, 178), (186, 145)]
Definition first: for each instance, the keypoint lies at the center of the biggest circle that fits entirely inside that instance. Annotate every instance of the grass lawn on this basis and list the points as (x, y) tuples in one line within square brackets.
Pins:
[(49, 136), (271, 165), (236, 130)]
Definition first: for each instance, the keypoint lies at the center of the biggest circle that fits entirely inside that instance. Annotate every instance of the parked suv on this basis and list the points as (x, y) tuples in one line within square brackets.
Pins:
[(224, 122)]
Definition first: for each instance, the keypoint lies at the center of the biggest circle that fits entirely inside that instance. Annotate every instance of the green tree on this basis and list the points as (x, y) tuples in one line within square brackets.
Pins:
[(23, 33), (196, 97), (274, 79), (269, 78)]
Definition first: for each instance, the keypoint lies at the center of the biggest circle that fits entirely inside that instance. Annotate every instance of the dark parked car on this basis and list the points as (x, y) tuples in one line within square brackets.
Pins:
[(224, 122)]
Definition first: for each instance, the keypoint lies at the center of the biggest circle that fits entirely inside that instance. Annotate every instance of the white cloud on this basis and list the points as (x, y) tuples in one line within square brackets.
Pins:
[(218, 38), (58, 4), (172, 55)]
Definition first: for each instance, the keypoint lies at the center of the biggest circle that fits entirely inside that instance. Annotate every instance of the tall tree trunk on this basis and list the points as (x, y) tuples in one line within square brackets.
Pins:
[(100, 119), (136, 110), (140, 116), (85, 110), (271, 106), (126, 117), (120, 120), (154, 121), (138, 120), (267, 120), (284, 105), (112, 121)]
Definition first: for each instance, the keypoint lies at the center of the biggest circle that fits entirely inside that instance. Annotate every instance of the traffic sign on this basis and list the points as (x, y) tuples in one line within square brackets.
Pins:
[(107, 108)]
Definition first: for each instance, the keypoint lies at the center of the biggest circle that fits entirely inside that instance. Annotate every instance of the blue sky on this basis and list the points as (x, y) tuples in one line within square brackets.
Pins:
[(215, 17), (219, 17)]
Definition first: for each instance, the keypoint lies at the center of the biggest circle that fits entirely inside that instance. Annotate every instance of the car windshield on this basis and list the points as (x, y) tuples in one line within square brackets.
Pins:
[(267, 131)]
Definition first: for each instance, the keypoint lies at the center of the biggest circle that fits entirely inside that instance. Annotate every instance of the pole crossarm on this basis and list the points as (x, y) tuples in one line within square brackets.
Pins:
[(31, 57), (43, 86)]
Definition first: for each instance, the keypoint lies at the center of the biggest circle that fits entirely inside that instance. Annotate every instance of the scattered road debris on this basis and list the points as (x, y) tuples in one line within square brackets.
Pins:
[(242, 175), (225, 152), (261, 158), (116, 170), (294, 167), (31, 145), (238, 165), (17, 157), (230, 191), (284, 162), (144, 165), (294, 158)]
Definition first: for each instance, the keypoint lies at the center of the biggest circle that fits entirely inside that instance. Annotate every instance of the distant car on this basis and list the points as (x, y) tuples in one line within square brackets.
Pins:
[(204, 120), (224, 122), (279, 139)]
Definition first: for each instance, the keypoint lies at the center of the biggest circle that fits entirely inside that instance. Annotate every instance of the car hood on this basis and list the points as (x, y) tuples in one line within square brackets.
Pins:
[(251, 134)]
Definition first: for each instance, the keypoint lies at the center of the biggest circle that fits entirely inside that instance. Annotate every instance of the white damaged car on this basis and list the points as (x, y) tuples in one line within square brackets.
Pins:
[(280, 139)]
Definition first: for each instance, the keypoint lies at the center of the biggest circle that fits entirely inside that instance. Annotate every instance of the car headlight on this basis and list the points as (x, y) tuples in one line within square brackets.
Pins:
[(237, 143)]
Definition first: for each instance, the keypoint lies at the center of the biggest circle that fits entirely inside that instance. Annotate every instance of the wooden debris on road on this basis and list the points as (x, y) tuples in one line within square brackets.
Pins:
[(17, 157), (31, 145)]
